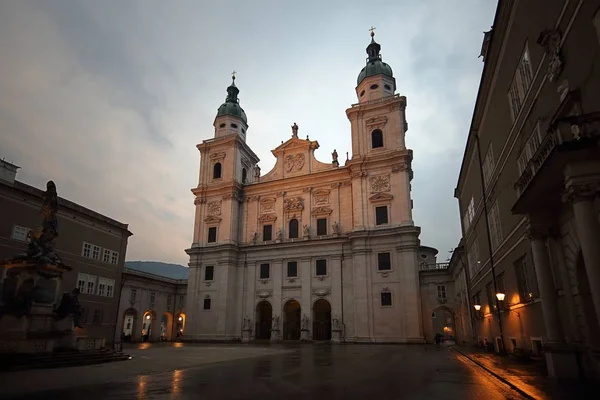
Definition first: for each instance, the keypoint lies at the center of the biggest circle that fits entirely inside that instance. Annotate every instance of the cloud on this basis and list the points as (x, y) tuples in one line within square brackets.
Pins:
[(110, 98)]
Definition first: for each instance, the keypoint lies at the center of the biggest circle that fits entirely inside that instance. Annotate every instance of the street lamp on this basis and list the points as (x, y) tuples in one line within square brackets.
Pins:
[(148, 316), (500, 296), (477, 307), (181, 318)]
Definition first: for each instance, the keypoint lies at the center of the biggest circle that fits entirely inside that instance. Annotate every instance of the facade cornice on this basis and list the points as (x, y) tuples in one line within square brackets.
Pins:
[(324, 178), (396, 101)]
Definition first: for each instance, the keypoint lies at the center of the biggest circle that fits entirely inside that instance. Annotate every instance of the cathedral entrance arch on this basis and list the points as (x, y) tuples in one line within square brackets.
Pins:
[(321, 320), (443, 325), (291, 320), (166, 326), (264, 314)]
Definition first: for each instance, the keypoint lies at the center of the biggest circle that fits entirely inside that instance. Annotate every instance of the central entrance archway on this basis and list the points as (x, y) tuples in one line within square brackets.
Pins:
[(322, 320), (443, 325), (264, 313), (291, 320)]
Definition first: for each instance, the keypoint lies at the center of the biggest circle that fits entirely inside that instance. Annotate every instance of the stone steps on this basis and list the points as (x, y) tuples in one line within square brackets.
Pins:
[(16, 362)]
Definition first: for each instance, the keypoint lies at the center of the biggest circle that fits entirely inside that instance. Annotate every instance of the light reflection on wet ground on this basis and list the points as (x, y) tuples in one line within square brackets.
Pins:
[(305, 372)]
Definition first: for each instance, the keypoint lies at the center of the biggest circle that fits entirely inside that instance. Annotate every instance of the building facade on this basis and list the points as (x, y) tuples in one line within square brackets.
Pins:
[(529, 183), (152, 307), (311, 249), (92, 244)]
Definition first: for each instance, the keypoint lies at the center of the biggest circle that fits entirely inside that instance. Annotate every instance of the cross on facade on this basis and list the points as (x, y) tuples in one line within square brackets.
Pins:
[(372, 30)]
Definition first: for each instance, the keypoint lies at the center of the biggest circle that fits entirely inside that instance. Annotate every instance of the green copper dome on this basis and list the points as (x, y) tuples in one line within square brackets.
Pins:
[(374, 64), (374, 68), (231, 105)]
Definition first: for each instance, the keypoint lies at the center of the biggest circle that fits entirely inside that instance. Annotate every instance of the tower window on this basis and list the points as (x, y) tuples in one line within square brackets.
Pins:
[(244, 175), (212, 234), (384, 262), (375, 86), (267, 232), (386, 299), (293, 228), (206, 305), (321, 268), (209, 273), (217, 170), (222, 126), (234, 126), (362, 93), (387, 87), (243, 130), (377, 138), (381, 215), (292, 269)]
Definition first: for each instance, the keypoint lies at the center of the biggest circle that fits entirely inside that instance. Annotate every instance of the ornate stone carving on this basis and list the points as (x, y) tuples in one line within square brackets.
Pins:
[(263, 294), (211, 219), (293, 204), (381, 197), (267, 218), (550, 39), (220, 156), (321, 197), (307, 189), (321, 292), (306, 231), (358, 174), (335, 228), (581, 192), (214, 207), (380, 183), (321, 210), (294, 161), (376, 122), (399, 167), (199, 200), (267, 205)]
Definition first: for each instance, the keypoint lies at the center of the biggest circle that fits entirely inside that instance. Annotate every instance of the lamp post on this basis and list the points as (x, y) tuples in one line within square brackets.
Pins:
[(489, 241)]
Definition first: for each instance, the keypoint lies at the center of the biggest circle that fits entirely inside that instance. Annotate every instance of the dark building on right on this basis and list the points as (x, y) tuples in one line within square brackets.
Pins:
[(529, 185)]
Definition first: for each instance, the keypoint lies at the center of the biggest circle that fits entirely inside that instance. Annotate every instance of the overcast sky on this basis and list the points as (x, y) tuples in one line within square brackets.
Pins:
[(109, 98)]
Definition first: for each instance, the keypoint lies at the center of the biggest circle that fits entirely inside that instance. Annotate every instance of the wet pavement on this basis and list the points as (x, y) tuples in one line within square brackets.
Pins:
[(316, 371)]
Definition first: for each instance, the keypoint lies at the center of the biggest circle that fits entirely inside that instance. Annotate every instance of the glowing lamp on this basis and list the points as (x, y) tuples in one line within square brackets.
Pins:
[(500, 296), (147, 316), (181, 318), (477, 307)]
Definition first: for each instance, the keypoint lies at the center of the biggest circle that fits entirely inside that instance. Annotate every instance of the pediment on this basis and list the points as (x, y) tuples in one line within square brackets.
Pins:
[(212, 219), (295, 144), (321, 211), (267, 218), (381, 197)]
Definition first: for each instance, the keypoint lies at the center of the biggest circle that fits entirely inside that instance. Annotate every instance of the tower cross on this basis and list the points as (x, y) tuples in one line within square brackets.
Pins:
[(233, 74), (372, 30)]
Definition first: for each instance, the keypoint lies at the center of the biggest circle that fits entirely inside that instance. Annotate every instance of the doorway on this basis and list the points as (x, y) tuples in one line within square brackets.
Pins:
[(291, 320), (264, 314), (128, 328), (322, 320)]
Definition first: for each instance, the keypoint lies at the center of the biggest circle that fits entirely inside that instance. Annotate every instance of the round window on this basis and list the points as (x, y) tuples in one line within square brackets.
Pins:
[(222, 126), (234, 126), (423, 255), (362, 93), (374, 86), (243, 131), (387, 87)]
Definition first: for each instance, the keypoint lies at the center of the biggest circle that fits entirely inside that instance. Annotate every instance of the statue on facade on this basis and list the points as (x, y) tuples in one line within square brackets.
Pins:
[(256, 173), (334, 155), (279, 235), (69, 305), (275, 323), (247, 326), (295, 131), (336, 228), (255, 238), (41, 239), (335, 323), (306, 231), (304, 324)]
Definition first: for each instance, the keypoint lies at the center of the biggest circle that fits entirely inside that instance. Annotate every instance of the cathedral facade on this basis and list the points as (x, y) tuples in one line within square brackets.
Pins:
[(310, 250)]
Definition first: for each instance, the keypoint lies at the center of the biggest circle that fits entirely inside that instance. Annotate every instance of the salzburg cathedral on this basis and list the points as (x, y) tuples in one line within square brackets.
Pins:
[(310, 250)]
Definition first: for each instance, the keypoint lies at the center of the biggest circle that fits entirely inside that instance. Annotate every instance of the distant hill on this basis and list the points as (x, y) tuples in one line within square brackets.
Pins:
[(174, 271)]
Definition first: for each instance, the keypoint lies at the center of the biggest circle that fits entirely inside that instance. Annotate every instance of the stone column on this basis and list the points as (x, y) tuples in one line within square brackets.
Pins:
[(336, 298), (560, 359), (588, 232), (276, 273)]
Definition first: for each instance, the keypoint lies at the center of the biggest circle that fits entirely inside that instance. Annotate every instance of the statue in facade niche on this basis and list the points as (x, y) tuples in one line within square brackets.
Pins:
[(336, 228), (275, 323), (335, 322), (256, 173), (306, 231), (279, 235), (247, 326), (304, 324), (255, 238)]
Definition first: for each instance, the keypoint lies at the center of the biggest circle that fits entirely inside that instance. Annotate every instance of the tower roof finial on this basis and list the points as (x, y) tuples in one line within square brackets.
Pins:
[(372, 30), (233, 74)]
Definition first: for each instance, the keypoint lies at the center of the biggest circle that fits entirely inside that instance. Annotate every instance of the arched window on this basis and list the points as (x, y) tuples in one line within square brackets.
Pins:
[(217, 170), (244, 175), (293, 228), (376, 138)]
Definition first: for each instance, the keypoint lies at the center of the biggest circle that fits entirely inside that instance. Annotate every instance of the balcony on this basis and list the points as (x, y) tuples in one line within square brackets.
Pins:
[(568, 139), (434, 267)]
